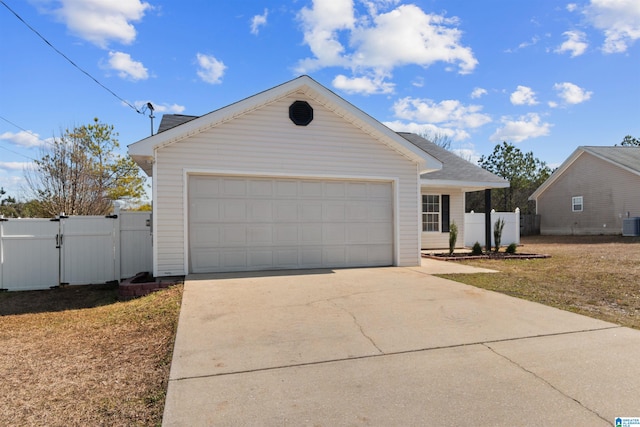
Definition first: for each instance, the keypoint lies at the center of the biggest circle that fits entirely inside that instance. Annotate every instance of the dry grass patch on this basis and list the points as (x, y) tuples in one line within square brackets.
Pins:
[(598, 276), (75, 356)]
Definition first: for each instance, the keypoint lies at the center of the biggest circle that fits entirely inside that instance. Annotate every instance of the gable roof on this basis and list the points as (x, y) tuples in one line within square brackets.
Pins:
[(143, 151), (627, 158), (455, 172)]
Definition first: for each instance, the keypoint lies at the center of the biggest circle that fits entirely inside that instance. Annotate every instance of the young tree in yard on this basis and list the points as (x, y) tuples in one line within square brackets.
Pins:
[(81, 173), (524, 172)]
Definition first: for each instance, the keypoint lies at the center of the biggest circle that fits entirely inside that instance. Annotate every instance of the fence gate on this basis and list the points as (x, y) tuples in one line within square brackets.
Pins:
[(88, 250), (29, 258)]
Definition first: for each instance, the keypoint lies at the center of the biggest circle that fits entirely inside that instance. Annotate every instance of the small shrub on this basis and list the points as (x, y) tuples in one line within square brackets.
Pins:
[(453, 237), (511, 249), (497, 232), (477, 249)]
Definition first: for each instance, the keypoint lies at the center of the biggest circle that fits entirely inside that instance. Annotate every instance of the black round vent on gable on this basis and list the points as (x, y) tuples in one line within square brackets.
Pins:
[(301, 113)]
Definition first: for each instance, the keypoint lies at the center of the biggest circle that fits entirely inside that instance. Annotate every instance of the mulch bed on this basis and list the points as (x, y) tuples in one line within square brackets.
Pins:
[(491, 255)]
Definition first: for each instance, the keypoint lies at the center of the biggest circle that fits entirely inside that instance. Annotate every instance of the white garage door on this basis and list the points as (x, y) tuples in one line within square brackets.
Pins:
[(240, 224)]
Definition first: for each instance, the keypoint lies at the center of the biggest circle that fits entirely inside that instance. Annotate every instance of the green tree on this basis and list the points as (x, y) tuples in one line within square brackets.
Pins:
[(524, 172), (81, 173), (11, 208), (630, 141)]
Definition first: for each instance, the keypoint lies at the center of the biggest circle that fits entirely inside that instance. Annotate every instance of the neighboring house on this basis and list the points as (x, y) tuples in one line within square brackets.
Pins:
[(293, 177), (592, 192), (443, 192)]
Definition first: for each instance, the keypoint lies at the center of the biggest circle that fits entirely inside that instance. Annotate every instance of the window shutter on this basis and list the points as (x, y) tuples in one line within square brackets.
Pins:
[(446, 217)]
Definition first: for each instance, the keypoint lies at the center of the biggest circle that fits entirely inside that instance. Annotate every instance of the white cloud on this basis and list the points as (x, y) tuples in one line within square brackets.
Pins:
[(14, 166), (450, 113), (259, 21), (618, 19), (126, 67), (427, 129), (523, 96), (572, 7), (321, 26), (572, 94), (161, 108), (525, 127), (362, 85), (23, 139), (575, 43), (102, 21), (211, 70), (478, 92), (375, 43)]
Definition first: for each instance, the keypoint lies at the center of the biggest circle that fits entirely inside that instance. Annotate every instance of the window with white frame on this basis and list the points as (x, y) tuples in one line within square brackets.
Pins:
[(430, 212), (577, 204)]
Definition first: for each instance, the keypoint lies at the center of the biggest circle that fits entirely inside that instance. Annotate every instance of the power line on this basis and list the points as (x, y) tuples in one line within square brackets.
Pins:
[(25, 130), (67, 58)]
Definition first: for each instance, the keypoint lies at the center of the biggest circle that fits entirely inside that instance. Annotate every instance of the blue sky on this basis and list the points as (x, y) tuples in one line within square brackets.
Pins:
[(544, 75)]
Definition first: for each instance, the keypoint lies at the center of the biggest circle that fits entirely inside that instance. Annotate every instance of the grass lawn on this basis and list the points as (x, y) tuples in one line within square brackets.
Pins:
[(598, 276), (75, 356)]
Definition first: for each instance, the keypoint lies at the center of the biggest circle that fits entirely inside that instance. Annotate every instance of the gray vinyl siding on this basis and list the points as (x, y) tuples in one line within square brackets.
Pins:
[(609, 194), (266, 142), (440, 240)]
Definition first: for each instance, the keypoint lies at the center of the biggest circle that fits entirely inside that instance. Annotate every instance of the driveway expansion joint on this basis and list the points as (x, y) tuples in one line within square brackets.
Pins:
[(548, 383), (395, 353)]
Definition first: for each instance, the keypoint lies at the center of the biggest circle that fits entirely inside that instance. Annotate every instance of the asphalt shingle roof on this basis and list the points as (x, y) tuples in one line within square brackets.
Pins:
[(172, 120), (628, 157), (454, 167)]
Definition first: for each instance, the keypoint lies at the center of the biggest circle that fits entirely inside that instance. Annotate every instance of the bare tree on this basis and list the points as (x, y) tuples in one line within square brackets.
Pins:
[(438, 138), (81, 174)]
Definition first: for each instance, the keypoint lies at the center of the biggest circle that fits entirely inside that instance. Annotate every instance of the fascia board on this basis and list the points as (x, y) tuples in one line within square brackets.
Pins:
[(467, 185)]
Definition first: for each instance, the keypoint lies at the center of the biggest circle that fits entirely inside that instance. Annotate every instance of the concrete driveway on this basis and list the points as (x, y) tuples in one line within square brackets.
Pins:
[(390, 346)]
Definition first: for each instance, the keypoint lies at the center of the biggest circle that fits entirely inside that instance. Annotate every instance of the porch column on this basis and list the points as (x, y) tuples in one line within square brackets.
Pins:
[(487, 219)]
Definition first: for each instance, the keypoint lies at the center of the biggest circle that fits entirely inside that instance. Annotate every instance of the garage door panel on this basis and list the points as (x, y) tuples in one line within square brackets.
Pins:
[(233, 210), (259, 211), (233, 187), (286, 258), (311, 234), (334, 211), (357, 190), (261, 258), (311, 189), (205, 236), (285, 234), (333, 234), (380, 212), (277, 223), (286, 211), (286, 188), (233, 235), (205, 209), (260, 188), (260, 235), (310, 211)]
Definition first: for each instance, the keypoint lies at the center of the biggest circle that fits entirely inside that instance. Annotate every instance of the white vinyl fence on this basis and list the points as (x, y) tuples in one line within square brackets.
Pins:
[(77, 250), (474, 230)]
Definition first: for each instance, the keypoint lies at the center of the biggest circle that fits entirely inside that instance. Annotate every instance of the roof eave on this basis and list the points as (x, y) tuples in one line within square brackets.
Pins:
[(466, 186)]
